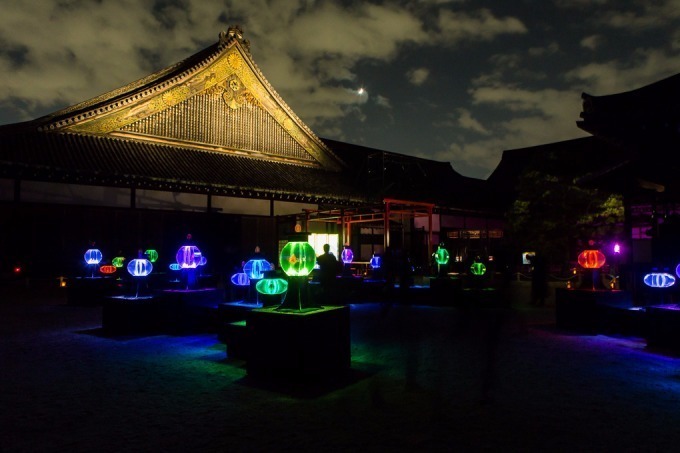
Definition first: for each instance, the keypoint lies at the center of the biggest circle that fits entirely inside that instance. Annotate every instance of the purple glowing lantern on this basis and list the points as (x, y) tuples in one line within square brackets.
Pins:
[(189, 257), (347, 255)]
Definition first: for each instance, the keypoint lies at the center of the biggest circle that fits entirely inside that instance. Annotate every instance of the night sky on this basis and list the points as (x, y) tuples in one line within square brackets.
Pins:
[(456, 81)]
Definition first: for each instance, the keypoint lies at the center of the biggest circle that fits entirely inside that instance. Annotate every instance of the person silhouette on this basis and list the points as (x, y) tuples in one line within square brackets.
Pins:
[(328, 269)]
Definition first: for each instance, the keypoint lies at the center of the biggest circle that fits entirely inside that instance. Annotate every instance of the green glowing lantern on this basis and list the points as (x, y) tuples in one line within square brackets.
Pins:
[(478, 268), (272, 286), (118, 261), (297, 259), (441, 256), (151, 255)]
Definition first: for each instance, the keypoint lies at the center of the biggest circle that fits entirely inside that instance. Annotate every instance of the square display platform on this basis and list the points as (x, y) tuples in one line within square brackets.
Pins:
[(313, 343)]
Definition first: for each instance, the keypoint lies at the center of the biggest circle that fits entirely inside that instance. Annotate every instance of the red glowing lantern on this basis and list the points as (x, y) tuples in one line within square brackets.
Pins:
[(591, 259), (107, 269)]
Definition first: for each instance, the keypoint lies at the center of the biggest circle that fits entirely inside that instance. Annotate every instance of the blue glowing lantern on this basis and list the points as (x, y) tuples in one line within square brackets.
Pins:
[(272, 286), (174, 267), (376, 262), (347, 255), (139, 267), (677, 270), (256, 268), (659, 280), (189, 257), (93, 256), (240, 279)]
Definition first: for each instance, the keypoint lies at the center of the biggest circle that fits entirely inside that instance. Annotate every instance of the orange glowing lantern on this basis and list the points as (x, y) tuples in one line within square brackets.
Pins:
[(108, 269), (591, 259)]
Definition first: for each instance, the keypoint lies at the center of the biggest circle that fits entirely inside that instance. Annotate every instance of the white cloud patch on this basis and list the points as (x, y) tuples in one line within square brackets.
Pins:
[(418, 76), (466, 121), (591, 42), (480, 25), (646, 66)]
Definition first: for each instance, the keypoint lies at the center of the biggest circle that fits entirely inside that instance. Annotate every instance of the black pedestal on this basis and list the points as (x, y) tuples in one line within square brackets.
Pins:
[(189, 311), (584, 309), (90, 290), (663, 326), (127, 316), (290, 344)]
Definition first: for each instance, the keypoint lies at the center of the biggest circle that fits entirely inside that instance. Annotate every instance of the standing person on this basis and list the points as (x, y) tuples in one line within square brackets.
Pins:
[(328, 269), (539, 280)]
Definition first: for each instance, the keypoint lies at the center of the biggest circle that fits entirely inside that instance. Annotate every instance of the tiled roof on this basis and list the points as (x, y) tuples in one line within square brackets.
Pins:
[(87, 159)]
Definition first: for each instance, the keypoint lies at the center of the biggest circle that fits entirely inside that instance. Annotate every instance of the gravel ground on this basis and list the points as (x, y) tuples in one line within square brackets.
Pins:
[(422, 379)]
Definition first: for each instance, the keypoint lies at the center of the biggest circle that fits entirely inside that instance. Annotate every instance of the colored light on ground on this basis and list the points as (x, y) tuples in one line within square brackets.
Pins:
[(140, 267), (255, 269), (17, 270), (93, 256), (240, 279), (297, 259), (188, 257), (659, 280), (272, 286)]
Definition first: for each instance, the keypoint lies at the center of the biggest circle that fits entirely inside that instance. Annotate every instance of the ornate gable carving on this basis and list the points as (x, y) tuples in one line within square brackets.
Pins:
[(221, 103)]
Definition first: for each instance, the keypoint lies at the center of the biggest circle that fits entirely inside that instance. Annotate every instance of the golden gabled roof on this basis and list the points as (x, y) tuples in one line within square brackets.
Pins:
[(216, 100)]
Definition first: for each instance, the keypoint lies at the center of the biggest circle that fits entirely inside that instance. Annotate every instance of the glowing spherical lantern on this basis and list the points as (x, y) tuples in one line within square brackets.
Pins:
[(188, 257), (441, 256), (256, 268), (108, 269), (118, 261), (591, 259), (174, 267), (93, 256), (151, 255), (203, 261), (677, 270), (477, 268), (659, 280), (297, 258), (139, 267), (376, 262), (240, 279), (347, 255), (272, 286)]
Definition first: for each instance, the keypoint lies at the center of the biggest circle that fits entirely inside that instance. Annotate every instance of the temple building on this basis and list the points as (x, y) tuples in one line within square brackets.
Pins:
[(207, 147)]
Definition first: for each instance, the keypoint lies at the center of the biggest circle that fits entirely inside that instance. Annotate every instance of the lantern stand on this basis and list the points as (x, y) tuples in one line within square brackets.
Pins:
[(347, 256), (593, 260), (297, 259), (441, 257), (139, 268)]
